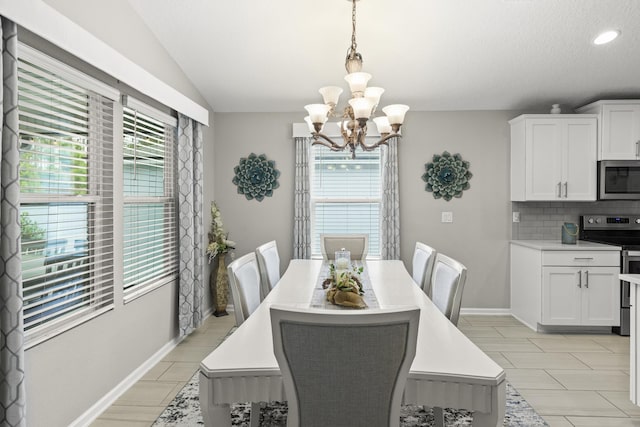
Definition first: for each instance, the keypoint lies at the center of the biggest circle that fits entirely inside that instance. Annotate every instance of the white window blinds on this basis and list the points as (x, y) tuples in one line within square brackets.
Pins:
[(345, 195), (150, 217), (66, 211)]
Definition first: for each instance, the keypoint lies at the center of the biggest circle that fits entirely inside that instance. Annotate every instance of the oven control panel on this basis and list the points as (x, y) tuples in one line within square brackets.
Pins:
[(619, 222)]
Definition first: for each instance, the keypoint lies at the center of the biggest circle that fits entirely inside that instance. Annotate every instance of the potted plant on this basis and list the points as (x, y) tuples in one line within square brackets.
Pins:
[(219, 246)]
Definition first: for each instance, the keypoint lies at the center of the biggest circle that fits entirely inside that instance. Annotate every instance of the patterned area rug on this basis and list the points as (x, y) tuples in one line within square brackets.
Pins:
[(184, 411)]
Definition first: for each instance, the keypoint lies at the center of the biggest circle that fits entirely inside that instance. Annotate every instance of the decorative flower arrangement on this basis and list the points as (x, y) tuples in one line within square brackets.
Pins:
[(256, 177), (345, 287), (219, 244), (447, 176)]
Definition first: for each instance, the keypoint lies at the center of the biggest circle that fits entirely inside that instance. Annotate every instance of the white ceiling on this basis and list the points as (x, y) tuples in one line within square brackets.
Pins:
[(273, 55)]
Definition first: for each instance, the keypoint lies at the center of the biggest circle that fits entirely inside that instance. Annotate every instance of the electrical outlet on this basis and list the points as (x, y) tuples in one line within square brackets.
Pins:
[(516, 216), (447, 216)]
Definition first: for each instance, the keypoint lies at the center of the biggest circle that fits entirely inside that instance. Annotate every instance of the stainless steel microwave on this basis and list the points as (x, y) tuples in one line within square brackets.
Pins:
[(619, 180)]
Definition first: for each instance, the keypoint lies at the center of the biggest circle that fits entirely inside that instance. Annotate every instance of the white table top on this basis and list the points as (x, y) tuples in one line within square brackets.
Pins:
[(442, 350)]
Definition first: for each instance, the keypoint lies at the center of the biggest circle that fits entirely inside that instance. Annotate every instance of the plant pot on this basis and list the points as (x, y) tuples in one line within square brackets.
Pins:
[(219, 284)]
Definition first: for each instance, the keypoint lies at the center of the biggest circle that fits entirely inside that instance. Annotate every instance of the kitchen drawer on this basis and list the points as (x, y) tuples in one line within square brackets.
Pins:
[(581, 258)]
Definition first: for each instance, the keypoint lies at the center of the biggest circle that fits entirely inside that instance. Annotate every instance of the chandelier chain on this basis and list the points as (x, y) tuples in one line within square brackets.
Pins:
[(353, 27)]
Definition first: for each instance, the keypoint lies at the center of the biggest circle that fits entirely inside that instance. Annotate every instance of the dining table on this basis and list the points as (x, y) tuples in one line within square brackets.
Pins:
[(448, 371)]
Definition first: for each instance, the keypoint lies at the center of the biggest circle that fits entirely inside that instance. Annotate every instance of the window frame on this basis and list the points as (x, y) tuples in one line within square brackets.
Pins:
[(170, 186), (314, 200), (99, 221), (108, 263)]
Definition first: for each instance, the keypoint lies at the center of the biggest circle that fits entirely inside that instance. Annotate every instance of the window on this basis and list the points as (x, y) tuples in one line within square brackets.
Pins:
[(150, 220), (345, 195), (66, 183)]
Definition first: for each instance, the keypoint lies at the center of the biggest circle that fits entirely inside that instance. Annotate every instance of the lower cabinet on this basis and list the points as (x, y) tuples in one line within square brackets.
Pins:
[(580, 296), (564, 287)]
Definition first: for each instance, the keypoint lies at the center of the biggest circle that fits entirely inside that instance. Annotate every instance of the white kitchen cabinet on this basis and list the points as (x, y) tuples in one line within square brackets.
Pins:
[(619, 128), (565, 285), (580, 296), (553, 157)]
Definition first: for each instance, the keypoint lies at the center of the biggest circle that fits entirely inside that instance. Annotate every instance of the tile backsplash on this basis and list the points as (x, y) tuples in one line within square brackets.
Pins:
[(543, 220)]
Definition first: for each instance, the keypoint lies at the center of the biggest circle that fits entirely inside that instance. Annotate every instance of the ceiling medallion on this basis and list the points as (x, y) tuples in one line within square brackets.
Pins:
[(362, 106)]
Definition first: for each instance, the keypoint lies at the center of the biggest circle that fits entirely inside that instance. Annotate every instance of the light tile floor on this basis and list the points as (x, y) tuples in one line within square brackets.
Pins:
[(145, 400), (579, 380)]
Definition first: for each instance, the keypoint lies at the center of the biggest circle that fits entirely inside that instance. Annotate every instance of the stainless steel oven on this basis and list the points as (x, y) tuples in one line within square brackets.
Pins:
[(619, 180), (619, 230)]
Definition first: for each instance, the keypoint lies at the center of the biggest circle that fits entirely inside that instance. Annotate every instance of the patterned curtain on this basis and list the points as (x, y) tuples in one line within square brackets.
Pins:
[(301, 203), (12, 392), (192, 285), (390, 233)]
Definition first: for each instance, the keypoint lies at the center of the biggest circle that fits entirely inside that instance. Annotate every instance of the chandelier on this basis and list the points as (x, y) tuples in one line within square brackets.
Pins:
[(360, 108)]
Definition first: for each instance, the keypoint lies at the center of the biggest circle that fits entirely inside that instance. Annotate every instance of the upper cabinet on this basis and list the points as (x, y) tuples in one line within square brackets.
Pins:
[(619, 136), (553, 157)]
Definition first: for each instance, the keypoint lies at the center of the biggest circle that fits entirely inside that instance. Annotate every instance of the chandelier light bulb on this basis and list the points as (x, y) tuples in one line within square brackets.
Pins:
[(361, 107), (357, 83), (395, 113), (330, 94), (382, 123), (374, 93), (309, 123), (317, 112)]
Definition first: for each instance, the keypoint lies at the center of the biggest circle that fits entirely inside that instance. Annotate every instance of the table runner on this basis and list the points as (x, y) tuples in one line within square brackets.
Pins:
[(319, 297)]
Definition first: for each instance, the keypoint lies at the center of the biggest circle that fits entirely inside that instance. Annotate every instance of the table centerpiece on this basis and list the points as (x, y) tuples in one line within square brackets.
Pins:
[(344, 284)]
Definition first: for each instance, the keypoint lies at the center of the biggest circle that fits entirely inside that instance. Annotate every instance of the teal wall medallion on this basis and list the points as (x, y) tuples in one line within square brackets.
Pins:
[(447, 176), (256, 177)]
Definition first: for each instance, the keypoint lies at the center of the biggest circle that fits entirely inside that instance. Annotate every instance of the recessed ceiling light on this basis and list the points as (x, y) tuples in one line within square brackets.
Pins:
[(606, 37)]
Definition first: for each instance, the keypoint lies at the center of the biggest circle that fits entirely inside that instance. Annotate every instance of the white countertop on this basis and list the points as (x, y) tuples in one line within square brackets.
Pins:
[(556, 245), (631, 278)]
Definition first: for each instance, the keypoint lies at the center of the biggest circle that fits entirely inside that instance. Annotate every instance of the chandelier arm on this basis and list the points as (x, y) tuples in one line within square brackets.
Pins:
[(382, 141), (328, 142)]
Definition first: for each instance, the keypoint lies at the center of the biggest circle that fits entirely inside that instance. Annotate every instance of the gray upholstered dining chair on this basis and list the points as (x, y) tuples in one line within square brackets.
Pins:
[(344, 368), (447, 283), (357, 244), (422, 265), (269, 266), (244, 281)]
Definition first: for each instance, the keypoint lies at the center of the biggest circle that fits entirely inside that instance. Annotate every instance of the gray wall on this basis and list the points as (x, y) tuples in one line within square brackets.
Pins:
[(68, 374), (479, 235)]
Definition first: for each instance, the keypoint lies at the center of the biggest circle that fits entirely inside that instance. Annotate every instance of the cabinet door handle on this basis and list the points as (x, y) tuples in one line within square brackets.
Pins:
[(637, 149), (566, 189), (586, 279), (579, 278), (559, 189), (586, 258)]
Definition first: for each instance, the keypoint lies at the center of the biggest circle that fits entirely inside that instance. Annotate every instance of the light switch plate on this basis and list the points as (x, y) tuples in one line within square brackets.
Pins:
[(447, 216), (516, 216)]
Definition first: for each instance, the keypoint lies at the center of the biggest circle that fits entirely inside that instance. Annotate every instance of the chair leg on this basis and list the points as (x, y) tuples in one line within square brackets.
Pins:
[(255, 414), (438, 415)]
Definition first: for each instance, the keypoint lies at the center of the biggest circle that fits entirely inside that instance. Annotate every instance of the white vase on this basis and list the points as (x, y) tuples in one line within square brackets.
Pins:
[(555, 109)]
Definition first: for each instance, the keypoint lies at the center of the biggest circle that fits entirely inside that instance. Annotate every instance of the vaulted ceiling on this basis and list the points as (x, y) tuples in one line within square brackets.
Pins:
[(273, 55)]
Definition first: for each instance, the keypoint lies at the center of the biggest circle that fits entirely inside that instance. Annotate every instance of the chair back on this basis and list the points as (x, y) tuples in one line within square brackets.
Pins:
[(423, 259), (269, 266), (357, 244), (344, 368), (447, 284), (244, 281)]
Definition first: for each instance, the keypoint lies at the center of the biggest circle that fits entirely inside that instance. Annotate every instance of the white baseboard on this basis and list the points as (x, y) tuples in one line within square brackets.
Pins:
[(91, 414), (485, 311)]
